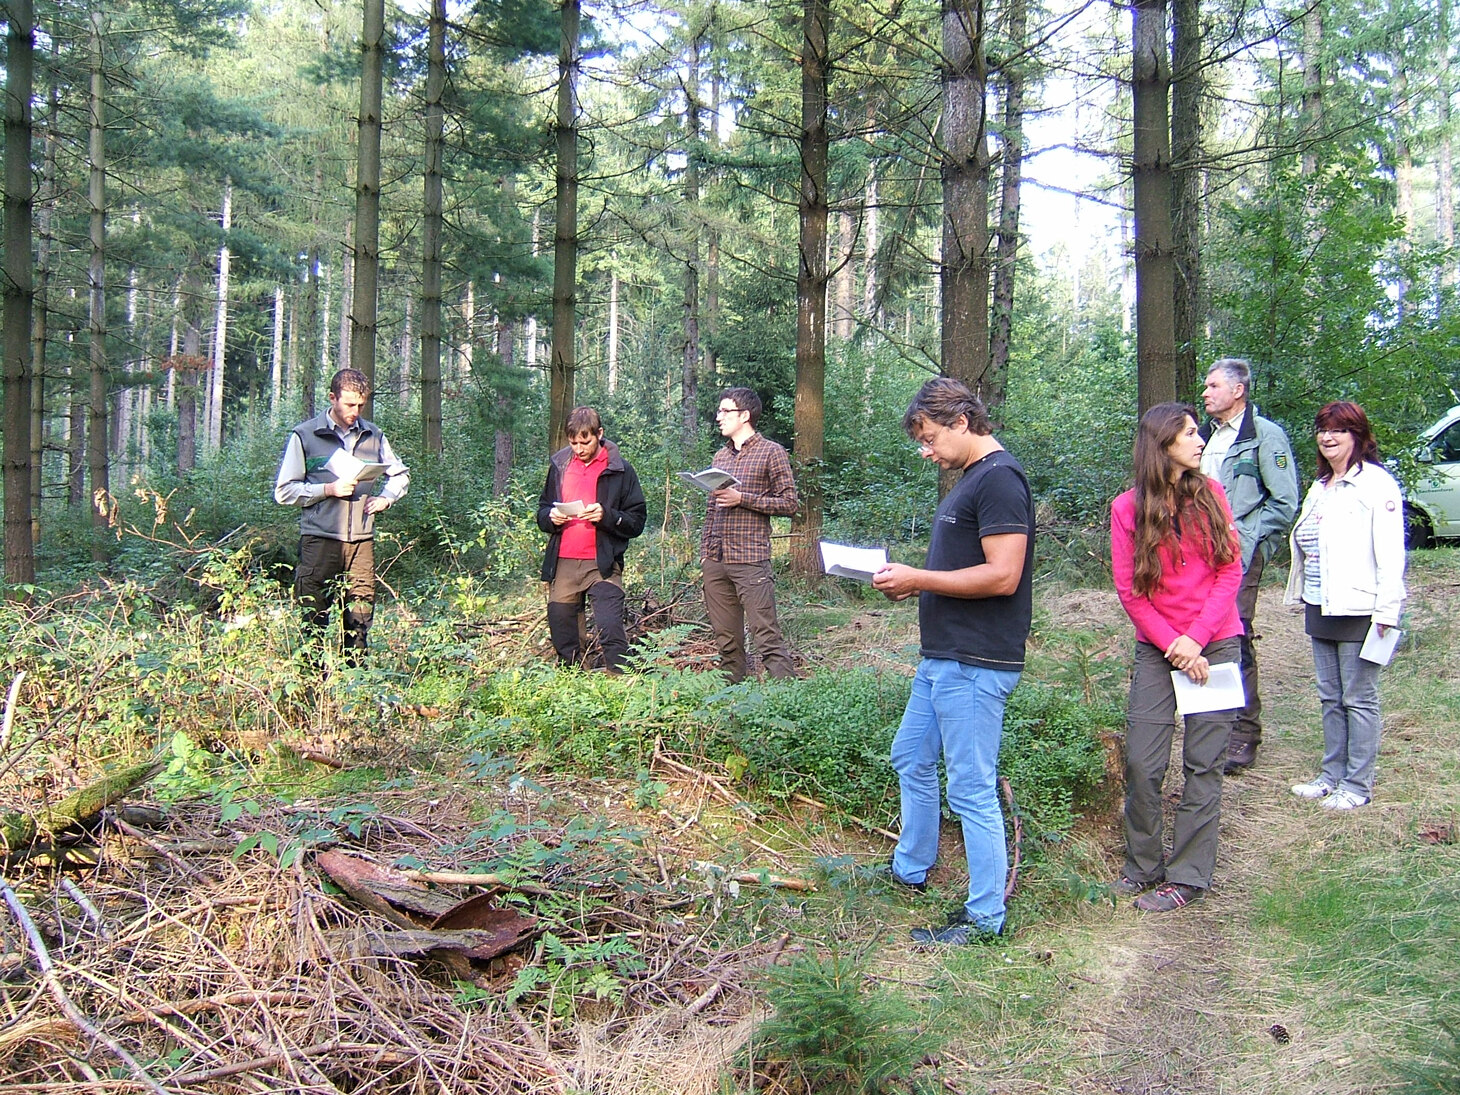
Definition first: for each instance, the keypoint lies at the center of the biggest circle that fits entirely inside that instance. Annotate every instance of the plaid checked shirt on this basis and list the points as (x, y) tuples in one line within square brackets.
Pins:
[(742, 534)]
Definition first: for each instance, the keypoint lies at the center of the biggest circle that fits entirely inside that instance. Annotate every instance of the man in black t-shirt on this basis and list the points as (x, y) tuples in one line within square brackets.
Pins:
[(974, 607)]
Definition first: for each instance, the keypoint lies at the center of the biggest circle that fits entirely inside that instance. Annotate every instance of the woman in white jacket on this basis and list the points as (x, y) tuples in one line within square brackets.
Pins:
[(1348, 571)]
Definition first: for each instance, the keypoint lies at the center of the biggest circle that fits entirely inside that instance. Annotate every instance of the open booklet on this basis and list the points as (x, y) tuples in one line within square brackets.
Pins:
[(1222, 692), (852, 562), (344, 466), (710, 479)]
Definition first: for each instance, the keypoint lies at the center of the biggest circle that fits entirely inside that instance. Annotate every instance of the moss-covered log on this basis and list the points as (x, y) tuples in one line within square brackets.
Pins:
[(18, 829)]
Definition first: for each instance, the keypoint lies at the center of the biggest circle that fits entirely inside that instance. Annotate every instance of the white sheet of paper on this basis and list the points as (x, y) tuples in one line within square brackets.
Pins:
[(1380, 648), (1222, 692), (852, 562), (569, 509)]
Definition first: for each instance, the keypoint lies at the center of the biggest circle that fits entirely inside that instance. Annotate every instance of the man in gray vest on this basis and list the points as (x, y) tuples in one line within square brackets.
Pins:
[(1253, 459), (331, 464)]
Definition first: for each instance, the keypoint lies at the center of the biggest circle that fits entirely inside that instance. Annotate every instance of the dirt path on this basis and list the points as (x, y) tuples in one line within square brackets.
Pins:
[(1191, 1001)]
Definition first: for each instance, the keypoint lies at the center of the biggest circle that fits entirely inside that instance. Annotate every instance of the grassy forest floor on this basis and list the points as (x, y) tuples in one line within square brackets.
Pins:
[(218, 957)]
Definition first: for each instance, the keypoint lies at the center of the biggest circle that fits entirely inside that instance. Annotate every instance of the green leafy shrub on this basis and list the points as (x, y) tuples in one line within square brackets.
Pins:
[(833, 1034), (1052, 754)]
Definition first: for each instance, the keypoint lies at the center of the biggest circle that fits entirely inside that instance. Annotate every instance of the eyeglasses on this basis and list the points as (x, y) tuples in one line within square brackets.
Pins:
[(1332, 433), (730, 410)]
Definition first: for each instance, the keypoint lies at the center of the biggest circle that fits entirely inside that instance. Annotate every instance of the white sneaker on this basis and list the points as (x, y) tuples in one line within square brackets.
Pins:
[(1344, 800), (1314, 788)]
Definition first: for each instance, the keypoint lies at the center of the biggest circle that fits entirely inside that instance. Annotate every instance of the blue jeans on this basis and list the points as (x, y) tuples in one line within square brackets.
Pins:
[(1348, 690), (956, 711)]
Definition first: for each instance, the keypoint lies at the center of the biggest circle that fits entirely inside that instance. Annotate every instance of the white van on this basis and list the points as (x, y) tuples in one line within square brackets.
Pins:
[(1432, 509)]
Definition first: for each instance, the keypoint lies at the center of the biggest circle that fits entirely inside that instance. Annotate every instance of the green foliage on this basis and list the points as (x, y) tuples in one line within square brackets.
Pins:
[(566, 975), (831, 1033), (1052, 755), (1436, 1071)]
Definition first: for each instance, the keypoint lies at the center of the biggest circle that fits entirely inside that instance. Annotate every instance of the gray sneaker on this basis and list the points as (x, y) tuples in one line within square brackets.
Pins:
[(960, 933)]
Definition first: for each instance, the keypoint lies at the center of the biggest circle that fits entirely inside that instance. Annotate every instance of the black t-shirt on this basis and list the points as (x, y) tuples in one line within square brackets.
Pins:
[(991, 499)]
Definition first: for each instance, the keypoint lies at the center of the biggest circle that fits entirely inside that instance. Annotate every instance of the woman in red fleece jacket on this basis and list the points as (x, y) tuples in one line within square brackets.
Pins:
[(1177, 567)]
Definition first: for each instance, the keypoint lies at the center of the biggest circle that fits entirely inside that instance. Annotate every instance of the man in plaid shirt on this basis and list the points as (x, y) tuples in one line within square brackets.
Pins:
[(736, 545)]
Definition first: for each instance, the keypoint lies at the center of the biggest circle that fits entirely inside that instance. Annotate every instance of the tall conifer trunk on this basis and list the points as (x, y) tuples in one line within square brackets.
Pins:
[(1151, 166), (1011, 76), (367, 192), (431, 235), (690, 362), (565, 230), (1186, 174), (19, 294), (965, 172), (96, 418), (811, 279)]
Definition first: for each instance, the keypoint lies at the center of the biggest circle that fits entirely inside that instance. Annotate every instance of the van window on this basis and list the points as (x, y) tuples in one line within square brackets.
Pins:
[(1447, 445)]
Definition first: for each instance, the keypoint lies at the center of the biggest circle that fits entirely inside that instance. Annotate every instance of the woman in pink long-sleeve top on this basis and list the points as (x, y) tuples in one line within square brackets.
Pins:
[(1177, 568)]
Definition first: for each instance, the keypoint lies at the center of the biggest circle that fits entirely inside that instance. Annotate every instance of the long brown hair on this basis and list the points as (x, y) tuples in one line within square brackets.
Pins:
[(1160, 502)]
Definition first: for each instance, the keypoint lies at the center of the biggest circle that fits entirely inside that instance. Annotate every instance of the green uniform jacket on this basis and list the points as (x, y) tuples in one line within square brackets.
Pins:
[(1261, 481)]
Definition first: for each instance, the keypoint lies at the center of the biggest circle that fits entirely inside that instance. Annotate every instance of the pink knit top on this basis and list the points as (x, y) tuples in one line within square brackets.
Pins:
[(1194, 598)]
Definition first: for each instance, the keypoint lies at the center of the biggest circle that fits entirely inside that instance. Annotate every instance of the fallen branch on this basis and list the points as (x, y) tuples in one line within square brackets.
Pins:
[(72, 1012), (759, 878), (187, 1079), (468, 878), (805, 800), (19, 829), (161, 849), (9, 720), (710, 781), (1018, 855), (210, 1003)]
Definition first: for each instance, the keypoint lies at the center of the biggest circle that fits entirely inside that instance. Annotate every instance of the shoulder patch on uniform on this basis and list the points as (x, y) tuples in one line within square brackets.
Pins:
[(1281, 459), (1390, 506)]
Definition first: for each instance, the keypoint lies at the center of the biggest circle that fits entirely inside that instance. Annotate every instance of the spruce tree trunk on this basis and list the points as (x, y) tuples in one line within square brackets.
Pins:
[(964, 267), (1011, 76), (1151, 166), (844, 323), (276, 370), (367, 193), (613, 289), (19, 295), (811, 279), (220, 325), (1186, 174), (1444, 163), (565, 230), (40, 332), (502, 436), (96, 418), (431, 235), (690, 362), (1312, 85)]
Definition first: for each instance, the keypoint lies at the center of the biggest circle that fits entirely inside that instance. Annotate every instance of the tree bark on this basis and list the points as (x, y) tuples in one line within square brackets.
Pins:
[(1011, 76), (965, 174), (276, 369), (96, 418), (431, 296), (1403, 173), (19, 295), (18, 829), (613, 290), (811, 279), (844, 323), (367, 193), (1151, 170), (502, 436), (1444, 169), (40, 315), (565, 230), (690, 362), (1187, 86), (1312, 86), (220, 325)]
